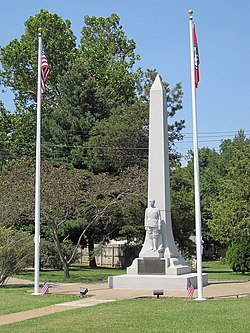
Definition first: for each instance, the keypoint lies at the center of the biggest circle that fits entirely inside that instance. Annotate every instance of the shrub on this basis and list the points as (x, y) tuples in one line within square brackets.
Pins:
[(16, 252), (238, 255), (49, 255)]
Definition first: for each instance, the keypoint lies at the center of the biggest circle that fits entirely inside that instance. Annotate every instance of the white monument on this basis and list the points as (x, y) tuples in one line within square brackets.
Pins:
[(159, 265)]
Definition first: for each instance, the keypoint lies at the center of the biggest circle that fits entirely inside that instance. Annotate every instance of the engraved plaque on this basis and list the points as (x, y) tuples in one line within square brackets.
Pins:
[(151, 267)]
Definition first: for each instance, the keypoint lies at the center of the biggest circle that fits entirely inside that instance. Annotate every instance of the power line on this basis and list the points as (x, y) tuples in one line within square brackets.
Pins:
[(220, 132), (202, 138)]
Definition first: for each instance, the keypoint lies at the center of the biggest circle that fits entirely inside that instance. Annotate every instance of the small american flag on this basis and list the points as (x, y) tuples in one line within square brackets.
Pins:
[(190, 289), (44, 71), (45, 288)]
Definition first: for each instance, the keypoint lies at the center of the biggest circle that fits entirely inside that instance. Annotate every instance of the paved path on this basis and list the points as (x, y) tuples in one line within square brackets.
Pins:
[(100, 293)]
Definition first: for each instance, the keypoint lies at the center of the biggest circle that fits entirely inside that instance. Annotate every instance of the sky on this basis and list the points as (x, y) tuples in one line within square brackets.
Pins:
[(160, 29)]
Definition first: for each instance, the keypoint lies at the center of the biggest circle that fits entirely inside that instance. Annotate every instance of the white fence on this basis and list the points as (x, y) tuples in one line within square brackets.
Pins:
[(112, 255)]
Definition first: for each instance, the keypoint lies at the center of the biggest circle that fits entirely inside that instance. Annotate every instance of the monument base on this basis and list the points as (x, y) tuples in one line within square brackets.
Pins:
[(151, 282), (164, 266), (157, 273)]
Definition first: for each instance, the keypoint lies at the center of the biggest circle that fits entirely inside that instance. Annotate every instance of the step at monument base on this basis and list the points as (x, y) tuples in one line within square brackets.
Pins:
[(151, 282)]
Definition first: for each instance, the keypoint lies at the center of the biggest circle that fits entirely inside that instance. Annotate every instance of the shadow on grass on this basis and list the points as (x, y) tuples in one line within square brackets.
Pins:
[(227, 282), (19, 286), (236, 274), (82, 268), (216, 271)]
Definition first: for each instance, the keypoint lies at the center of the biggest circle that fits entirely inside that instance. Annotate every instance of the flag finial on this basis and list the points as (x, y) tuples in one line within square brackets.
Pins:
[(40, 30), (190, 12)]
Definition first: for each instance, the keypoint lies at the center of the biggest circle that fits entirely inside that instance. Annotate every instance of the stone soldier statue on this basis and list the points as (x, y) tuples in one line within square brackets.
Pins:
[(152, 223)]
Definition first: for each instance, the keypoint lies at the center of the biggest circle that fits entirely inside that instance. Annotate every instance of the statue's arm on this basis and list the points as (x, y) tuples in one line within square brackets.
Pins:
[(145, 219), (159, 220)]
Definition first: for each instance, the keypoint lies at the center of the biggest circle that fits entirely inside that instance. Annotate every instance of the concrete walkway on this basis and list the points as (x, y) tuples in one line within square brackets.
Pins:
[(100, 293)]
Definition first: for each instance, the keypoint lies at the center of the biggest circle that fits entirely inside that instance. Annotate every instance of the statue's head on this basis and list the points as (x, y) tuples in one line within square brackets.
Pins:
[(151, 202)]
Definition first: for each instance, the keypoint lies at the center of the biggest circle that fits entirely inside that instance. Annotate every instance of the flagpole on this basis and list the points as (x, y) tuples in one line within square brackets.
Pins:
[(196, 167), (38, 162)]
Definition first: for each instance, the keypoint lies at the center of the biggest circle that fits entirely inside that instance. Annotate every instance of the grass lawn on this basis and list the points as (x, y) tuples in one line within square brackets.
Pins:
[(219, 271), (145, 315), (78, 274), (20, 299), (139, 315)]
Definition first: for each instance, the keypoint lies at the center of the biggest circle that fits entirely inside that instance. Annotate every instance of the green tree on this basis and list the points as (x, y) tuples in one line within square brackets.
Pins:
[(15, 252), (6, 128), (118, 141), (84, 87), (76, 205), (211, 170), (230, 209), (81, 105), (61, 197), (238, 255), (101, 79), (113, 206), (19, 73), (94, 99), (110, 57), (122, 139), (19, 58), (182, 207)]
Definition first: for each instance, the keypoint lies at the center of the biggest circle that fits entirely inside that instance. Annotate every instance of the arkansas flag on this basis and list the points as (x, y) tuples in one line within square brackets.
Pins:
[(196, 59)]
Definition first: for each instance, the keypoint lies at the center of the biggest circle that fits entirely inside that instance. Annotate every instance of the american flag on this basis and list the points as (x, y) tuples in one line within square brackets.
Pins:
[(196, 59), (44, 71), (190, 289), (45, 288)]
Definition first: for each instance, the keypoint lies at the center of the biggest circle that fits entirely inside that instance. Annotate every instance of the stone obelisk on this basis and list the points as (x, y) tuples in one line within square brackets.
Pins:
[(158, 179), (159, 264)]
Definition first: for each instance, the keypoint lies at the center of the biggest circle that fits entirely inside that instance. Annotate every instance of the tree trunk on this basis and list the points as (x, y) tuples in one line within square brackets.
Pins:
[(92, 261), (60, 252), (66, 270)]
